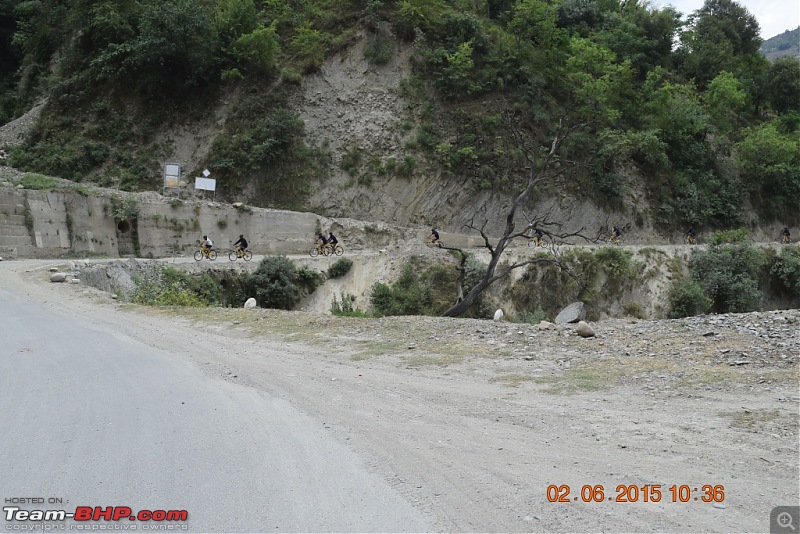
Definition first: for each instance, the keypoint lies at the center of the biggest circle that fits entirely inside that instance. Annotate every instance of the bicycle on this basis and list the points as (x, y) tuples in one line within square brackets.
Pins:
[(318, 250), (208, 253), (536, 241), (615, 240), (785, 239), (237, 252), (333, 249), (431, 242), (688, 239)]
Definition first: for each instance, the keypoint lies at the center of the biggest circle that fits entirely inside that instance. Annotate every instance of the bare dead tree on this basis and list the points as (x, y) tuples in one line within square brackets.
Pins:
[(545, 168)]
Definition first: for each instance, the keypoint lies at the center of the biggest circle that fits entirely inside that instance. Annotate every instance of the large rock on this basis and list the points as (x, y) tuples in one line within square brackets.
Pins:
[(571, 314), (584, 330), (250, 303), (58, 277)]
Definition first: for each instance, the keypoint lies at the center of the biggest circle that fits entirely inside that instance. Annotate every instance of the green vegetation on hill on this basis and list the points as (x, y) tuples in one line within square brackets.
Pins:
[(785, 44), (682, 108)]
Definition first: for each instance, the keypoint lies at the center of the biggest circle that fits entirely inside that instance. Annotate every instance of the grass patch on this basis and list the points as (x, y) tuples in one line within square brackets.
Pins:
[(512, 380), (370, 348), (38, 181), (432, 359), (750, 419)]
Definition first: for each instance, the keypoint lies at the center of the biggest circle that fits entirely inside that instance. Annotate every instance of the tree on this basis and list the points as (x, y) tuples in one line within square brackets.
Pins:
[(721, 35), (725, 99), (542, 169), (783, 85)]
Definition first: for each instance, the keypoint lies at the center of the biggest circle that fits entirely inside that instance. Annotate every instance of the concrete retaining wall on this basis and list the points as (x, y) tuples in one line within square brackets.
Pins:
[(42, 224)]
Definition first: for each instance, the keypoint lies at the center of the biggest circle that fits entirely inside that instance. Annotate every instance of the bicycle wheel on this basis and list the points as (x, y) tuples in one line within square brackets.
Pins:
[(198, 255), (232, 255), (314, 252), (212, 255), (247, 256), (338, 250)]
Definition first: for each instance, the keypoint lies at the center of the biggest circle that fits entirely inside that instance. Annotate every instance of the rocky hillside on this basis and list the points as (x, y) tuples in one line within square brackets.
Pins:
[(785, 44), (424, 112)]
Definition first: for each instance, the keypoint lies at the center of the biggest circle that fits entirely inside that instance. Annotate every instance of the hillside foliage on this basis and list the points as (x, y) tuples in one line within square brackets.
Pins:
[(681, 106)]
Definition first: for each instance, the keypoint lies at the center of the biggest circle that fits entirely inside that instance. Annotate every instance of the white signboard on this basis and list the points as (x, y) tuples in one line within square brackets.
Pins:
[(172, 175), (208, 184)]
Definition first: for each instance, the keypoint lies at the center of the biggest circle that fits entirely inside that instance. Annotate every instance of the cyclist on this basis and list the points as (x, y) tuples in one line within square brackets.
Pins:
[(321, 241), (785, 235), (434, 237), (535, 234), (691, 233), (332, 241), (616, 234), (206, 244), (241, 243)]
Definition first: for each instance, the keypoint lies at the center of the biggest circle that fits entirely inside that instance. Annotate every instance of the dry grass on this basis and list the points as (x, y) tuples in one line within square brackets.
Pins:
[(511, 380), (431, 359)]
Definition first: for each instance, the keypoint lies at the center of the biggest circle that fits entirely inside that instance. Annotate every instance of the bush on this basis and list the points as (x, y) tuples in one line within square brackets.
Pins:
[(416, 292), (277, 283), (687, 298), (380, 46), (634, 309), (729, 237), (125, 208), (534, 317), (787, 270), (615, 262), (340, 268), (729, 276), (346, 307), (168, 286), (37, 181)]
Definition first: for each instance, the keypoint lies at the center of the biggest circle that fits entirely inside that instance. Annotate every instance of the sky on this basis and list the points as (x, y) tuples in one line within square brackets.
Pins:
[(774, 16)]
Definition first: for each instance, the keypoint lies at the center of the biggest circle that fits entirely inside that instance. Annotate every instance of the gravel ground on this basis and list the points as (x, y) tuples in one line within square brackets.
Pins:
[(475, 421)]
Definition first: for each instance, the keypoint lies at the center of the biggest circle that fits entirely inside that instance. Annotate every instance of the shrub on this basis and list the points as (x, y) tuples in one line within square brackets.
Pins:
[(615, 262), (346, 307), (534, 317), (729, 237), (687, 298), (277, 283), (170, 287), (351, 161), (787, 270), (406, 297), (380, 46), (407, 166), (729, 276), (37, 181), (125, 208), (340, 268), (291, 76), (634, 309)]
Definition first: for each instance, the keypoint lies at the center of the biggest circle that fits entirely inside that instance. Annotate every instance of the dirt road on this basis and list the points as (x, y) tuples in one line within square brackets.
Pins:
[(472, 421)]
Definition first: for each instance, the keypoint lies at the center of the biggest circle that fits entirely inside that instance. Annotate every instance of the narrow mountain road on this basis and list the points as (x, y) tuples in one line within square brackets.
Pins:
[(94, 417)]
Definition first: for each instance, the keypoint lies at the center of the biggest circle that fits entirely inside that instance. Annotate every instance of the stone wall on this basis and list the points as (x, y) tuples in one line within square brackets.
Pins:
[(42, 224)]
